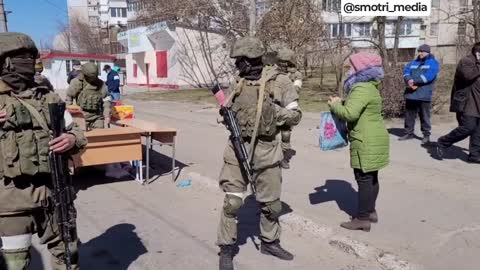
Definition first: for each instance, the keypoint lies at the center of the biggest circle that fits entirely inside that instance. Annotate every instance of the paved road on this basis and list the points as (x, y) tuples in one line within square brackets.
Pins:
[(428, 209)]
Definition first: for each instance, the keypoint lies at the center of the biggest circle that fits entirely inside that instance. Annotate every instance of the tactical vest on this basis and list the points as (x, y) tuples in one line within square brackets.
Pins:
[(245, 104), (90, 98), (24, 144)]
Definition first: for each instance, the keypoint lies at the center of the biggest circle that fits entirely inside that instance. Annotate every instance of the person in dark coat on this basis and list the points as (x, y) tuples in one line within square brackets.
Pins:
[(77, 69), (465, 102)]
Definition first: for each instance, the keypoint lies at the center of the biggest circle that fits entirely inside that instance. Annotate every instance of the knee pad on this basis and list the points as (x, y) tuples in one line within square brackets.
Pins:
[(16, 251), (231, 204), (272, 210), (16, 242)]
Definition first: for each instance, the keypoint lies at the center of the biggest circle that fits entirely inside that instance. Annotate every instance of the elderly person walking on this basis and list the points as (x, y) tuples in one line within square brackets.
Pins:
[(368, 136)]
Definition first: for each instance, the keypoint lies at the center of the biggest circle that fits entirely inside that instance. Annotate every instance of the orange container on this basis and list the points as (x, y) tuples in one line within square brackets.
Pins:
[(121, 112)]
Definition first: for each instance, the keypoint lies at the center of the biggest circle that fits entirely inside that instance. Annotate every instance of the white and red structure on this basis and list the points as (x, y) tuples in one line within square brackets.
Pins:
[(57, 65)]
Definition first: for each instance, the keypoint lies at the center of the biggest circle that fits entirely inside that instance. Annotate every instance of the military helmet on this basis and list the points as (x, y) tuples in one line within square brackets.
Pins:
[(286, 55), (249, 47), (90, 70), (11, 42), (270, 58)]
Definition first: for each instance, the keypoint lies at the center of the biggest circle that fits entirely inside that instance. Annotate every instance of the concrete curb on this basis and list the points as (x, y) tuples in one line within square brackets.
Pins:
[(301, 224)]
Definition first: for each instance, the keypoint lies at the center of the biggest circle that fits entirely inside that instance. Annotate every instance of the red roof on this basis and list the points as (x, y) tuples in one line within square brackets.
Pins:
[(77, 56)]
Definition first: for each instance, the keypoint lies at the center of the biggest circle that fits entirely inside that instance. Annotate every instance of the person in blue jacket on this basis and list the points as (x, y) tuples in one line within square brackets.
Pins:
[(420, 76), (113, 82)]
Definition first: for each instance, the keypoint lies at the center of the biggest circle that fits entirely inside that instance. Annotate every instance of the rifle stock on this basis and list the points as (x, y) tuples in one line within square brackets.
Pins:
[(63, 193)]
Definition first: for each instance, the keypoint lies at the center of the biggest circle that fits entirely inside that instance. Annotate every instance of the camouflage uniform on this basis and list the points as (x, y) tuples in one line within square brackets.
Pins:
[(266, 156), (25, 182), (286, 60), (40, 79), (91, 94)]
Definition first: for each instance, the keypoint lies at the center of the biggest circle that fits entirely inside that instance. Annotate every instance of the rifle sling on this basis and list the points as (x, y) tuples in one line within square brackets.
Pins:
[(34, 112)]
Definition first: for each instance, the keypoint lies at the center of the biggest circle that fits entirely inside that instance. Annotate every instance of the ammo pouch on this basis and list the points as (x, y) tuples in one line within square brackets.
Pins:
[(244, 104), (24, 141), (90, 99)]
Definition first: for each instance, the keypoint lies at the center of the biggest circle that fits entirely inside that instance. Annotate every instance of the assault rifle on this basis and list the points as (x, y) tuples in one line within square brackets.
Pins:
[(63, 193), (238, 145)]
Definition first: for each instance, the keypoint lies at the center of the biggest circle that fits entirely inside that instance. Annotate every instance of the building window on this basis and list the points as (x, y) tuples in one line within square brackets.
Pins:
[(118, 12), (68, 66), (337, 29), (364, 29), (462, 28), (434, 29), (162, 64), (406, 28), (435, 3), (331, 5)]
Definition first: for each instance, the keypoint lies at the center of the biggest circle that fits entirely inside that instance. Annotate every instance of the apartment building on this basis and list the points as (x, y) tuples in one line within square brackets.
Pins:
[(444, 30), (109, 16)]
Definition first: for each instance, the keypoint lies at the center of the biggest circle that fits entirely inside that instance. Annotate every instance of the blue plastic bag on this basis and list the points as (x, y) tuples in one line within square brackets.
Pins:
[(333, 132)]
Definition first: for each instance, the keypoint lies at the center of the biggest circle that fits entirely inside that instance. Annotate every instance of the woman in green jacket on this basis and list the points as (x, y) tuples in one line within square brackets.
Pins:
[(369, 139)]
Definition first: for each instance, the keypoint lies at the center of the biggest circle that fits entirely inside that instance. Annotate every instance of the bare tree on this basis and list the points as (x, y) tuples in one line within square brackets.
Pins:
[(201, 57), (86, 38), (228, 17), (296, 24), (476, 19), (64, 39), (398, 25), (79, 36), (381, 25)]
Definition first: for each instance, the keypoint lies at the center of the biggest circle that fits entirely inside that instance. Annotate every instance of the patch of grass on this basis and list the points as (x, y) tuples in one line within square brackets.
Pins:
[(196, 96), (313, 97)]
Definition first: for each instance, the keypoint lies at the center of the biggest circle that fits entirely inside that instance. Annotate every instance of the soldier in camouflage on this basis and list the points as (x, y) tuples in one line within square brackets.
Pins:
[(286, 64), (40, 79), (91, 94), (25, 182), (267, 152)]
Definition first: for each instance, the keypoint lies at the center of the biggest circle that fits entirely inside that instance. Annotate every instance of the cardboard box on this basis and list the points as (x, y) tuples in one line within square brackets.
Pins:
[(121, 112)]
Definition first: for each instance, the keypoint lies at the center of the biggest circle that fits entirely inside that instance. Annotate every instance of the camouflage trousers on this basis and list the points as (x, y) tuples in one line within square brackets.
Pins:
[(268, 184), (39, 221)]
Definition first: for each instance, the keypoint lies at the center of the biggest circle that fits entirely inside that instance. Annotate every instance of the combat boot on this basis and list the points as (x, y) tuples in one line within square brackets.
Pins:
[(276, 250), (357, 224), (226, 257)]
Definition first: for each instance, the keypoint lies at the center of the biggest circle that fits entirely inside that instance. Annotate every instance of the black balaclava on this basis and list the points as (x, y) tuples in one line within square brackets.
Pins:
[(249, 68), (18, 71)]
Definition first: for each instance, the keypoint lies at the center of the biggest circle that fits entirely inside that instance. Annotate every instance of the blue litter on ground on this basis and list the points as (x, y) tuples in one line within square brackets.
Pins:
[(185, 183)]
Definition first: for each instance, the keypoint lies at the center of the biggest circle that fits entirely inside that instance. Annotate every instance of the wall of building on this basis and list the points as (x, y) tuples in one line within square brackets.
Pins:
[(174, 57)]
